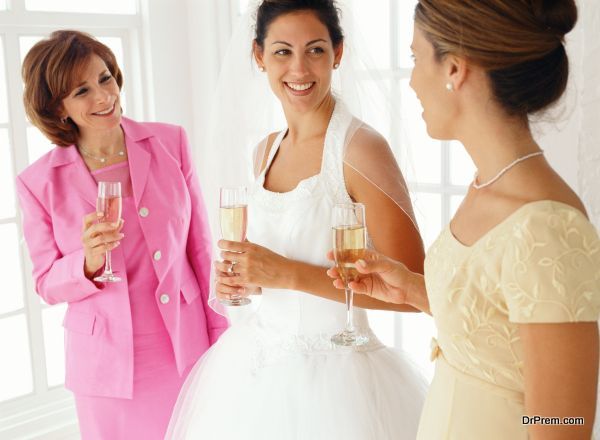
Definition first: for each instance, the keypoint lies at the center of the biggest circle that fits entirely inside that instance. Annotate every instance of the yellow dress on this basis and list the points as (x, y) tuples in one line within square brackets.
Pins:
[(540, 265)]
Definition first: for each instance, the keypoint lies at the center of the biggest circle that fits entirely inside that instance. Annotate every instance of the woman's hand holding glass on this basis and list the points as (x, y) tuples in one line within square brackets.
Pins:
[(97, 238), (255, 267), (378, 276)]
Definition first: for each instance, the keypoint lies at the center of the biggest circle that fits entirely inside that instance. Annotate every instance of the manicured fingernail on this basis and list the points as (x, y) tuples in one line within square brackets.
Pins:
[(361, 263), (242, 290)]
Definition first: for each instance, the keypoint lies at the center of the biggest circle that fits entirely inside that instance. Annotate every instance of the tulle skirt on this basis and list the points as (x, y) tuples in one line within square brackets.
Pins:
[(250, 387)]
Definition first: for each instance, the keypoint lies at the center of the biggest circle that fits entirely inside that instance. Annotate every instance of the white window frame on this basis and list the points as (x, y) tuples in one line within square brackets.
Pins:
[(53, 407)]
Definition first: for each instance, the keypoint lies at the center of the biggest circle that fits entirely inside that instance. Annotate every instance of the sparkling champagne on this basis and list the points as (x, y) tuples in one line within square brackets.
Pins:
[(108, 204), (110, 208), (349, 246), (234, 220)]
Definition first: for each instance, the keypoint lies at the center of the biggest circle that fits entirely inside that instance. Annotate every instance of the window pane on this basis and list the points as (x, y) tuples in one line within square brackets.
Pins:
[(26, 43), (15, 367), (37, 144), (116, 45), (374, 105), (428, 210), (3, 99), (406, 11), (54, 343), (417, 331), (372, 22), (103, 7), (462, 168), (424, 153), (7, 200), (10, 269)]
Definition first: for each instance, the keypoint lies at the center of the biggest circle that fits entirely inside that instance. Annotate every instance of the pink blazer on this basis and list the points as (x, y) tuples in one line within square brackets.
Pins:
[(56, 192)]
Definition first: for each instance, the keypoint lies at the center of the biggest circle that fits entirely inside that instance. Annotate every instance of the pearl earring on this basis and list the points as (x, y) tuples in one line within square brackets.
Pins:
[(336, 65), (450, 87), (261, 68)]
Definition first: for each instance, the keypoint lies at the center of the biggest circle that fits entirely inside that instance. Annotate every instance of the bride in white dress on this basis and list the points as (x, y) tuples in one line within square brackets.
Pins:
[(276, 375)]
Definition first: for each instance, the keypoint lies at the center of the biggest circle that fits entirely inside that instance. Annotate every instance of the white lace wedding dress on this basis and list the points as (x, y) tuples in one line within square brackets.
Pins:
[(275, 375)]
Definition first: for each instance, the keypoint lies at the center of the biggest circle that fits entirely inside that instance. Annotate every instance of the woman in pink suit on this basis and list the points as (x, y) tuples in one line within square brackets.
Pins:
[(129, 344)]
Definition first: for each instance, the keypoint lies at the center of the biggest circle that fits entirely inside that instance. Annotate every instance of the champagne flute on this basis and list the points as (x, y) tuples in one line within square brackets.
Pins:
[(349, 243), (233, 215), (109, 205)]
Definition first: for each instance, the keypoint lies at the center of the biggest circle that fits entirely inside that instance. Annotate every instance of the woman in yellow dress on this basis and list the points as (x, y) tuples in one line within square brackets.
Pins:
[(513, 282)]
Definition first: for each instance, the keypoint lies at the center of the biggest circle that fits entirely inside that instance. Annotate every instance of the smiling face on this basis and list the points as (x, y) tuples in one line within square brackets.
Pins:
[(298, 56), (94, 103), (429, 79)]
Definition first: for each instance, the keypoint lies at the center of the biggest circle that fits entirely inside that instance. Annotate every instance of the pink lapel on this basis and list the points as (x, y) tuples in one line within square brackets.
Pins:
[(139, 156), (77, 172)]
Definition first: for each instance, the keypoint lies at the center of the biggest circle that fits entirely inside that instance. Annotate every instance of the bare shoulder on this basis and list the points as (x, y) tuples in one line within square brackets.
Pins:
[(365, 135)]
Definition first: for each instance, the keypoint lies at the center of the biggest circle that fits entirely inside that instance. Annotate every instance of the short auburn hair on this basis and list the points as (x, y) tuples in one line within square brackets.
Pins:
[(51, 69)]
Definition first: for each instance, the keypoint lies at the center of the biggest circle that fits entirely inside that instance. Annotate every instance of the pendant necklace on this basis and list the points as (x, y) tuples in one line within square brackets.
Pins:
[(101, 159)]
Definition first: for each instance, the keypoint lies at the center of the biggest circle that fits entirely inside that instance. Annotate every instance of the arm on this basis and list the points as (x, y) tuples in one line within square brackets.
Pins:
[(198, 246), (58, 278), (386, 280), (561, 374), (390, 229), (259, 266), (314, 279)]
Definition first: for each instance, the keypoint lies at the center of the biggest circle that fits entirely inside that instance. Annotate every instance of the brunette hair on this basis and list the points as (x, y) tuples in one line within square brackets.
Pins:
[(326, 11), (520, 43), (51, 69)]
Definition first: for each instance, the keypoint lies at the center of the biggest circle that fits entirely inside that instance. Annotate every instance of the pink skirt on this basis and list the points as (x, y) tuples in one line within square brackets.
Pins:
[(156, 385)]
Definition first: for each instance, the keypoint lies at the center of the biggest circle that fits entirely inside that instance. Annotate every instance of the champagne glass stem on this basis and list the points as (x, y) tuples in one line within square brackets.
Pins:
[(107, 263), (349, 308)]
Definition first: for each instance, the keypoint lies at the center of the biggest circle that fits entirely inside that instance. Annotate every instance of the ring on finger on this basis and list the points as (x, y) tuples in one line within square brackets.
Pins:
[(231, 267)]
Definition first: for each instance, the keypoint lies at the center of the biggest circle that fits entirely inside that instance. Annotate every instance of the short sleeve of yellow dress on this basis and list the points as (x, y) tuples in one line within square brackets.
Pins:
[(551, 267), (539, 265)]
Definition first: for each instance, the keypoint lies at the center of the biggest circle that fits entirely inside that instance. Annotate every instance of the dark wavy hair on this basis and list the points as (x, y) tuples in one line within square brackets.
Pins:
[(326, 11)]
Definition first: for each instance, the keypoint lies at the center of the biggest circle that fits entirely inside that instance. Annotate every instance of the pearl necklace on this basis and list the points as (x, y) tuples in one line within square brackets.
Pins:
[(503, 170), (100, 159)]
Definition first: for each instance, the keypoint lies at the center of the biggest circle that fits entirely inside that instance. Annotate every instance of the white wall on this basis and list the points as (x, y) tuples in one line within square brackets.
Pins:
[(589, 131), (570, 133)]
